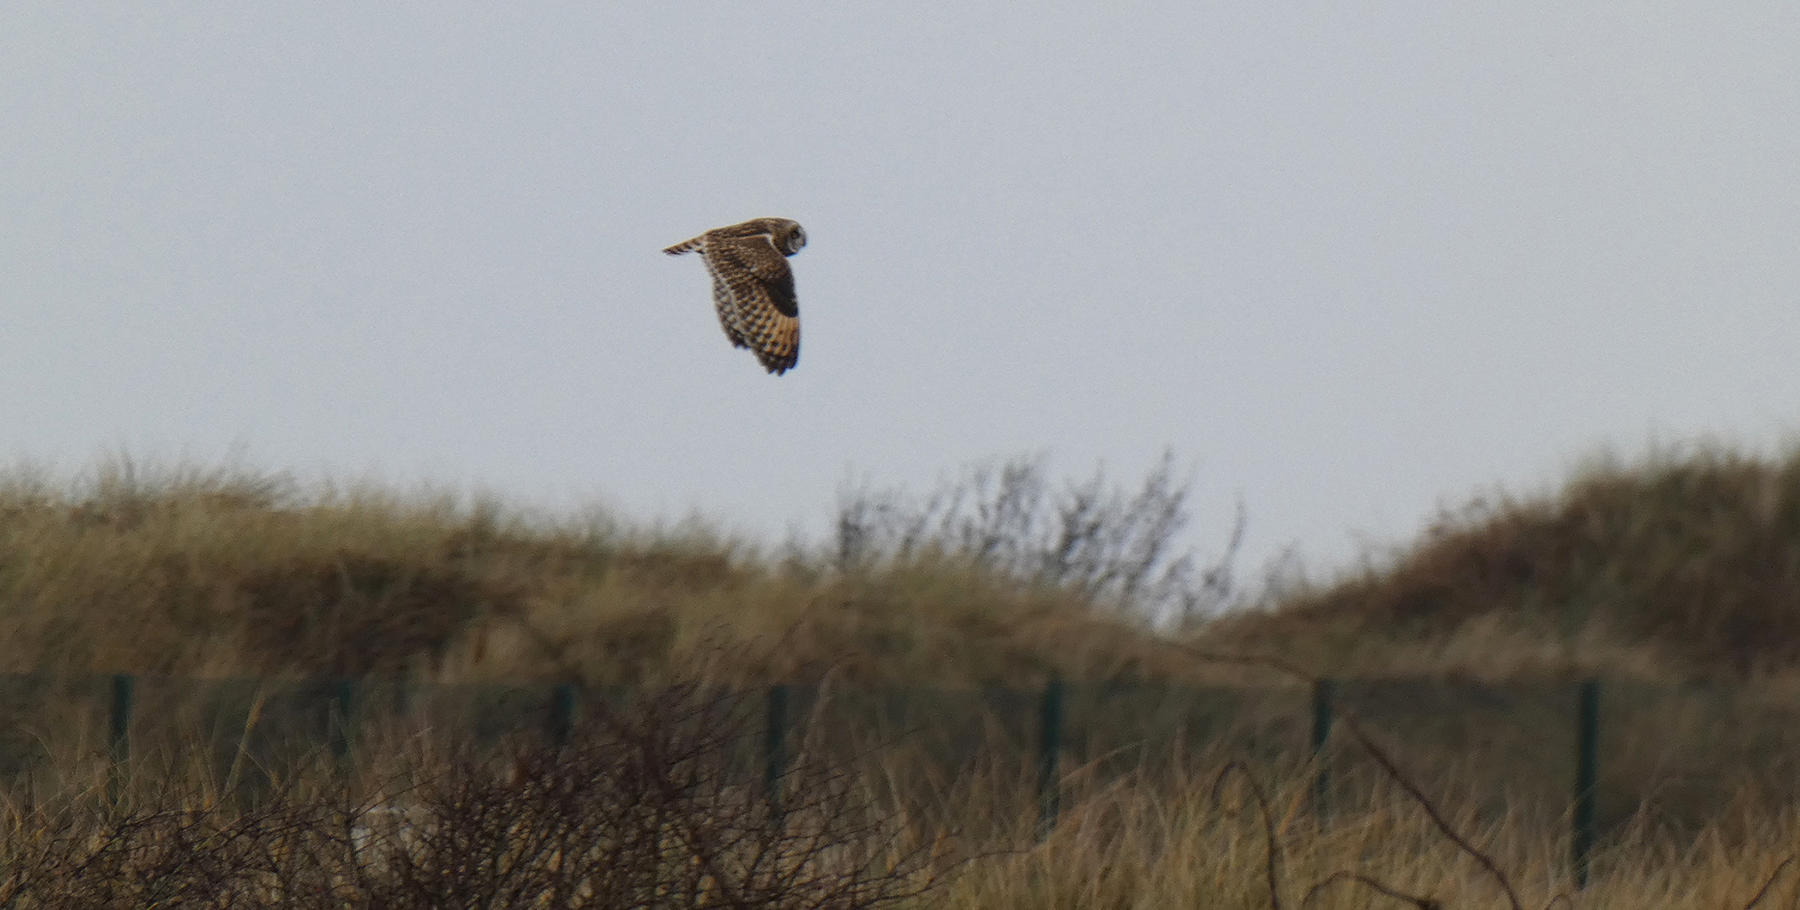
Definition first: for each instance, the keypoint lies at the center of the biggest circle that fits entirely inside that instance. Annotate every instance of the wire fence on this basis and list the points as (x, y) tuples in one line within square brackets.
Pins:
[(1577, 757)]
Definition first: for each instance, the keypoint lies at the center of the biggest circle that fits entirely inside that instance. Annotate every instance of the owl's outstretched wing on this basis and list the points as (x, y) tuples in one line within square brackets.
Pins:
[(727, 310), (761, 311)]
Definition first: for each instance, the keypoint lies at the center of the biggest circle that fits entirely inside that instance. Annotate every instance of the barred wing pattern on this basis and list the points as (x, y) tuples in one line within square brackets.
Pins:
[(753, 288)]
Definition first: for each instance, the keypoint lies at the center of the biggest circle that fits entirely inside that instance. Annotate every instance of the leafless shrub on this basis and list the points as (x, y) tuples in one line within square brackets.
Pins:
[(657, 808), (1106, 543), (654, 807), (172, 851)]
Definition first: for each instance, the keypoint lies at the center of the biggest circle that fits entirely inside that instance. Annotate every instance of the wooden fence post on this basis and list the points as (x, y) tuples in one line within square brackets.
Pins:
[(1050, 722), (343, 703), (562, 714), (1587, 766), (119, 733), (1324, 693), (775, 711)]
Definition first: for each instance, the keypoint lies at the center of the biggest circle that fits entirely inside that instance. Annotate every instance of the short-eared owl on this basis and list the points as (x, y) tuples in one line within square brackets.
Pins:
[(753, 288)]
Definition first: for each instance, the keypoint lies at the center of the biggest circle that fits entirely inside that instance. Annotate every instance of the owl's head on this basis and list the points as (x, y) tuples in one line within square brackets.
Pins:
[(789, 237)]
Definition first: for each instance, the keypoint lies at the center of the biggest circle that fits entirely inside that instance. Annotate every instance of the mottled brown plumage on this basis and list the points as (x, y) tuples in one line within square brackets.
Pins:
[(753, 288)]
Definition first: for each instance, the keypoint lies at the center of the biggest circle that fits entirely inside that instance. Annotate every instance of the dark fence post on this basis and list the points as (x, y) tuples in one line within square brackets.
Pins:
[(1323, 695), (343, 702), (562, 714), (1050, 721), (1587, 766), (775, 711), (119, 732)]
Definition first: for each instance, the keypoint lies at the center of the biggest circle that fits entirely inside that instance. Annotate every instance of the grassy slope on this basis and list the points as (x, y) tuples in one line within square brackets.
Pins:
[(225, 574), (1674, 568), (1679, 567)]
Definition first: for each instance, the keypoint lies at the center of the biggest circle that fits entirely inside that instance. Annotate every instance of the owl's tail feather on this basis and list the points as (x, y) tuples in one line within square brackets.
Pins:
[(685, 246)]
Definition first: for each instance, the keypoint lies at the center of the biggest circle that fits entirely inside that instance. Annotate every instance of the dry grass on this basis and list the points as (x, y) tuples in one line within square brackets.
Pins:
[(1684, 566), (228, 573), (1125, 849), (1680, 569), (655, 807)]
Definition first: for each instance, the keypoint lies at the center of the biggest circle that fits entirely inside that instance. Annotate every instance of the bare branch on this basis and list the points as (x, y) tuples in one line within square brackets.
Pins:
[(1374, 884), (1431, 811), (1769, 883), (1268, 821)]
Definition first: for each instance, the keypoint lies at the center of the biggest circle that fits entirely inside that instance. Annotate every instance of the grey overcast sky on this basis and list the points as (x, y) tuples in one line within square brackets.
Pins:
[(1346, 261)]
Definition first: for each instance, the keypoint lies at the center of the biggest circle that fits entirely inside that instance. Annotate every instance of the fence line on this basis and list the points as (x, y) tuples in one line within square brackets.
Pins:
[(1053, 736)]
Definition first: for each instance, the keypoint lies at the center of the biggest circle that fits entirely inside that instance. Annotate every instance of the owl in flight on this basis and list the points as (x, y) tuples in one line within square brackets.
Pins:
[(753, 288)]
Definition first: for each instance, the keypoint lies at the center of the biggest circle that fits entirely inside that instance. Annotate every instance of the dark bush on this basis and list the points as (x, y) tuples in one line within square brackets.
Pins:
[(652, 806)]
